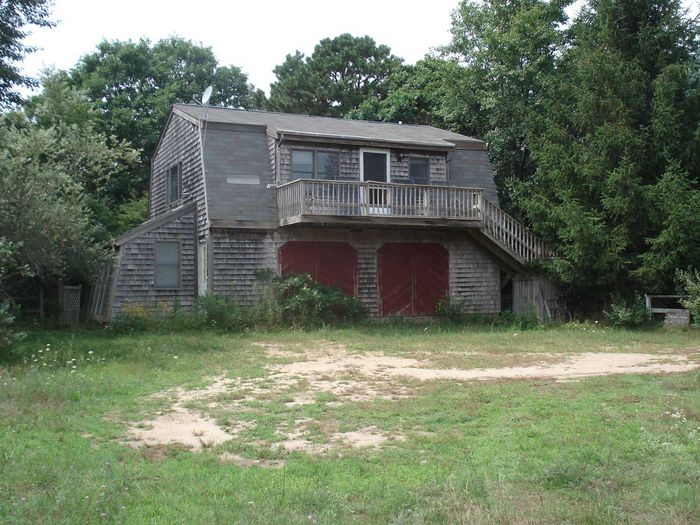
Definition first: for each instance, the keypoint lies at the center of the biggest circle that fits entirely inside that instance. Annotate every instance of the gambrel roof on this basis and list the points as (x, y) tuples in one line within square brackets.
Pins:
[(334, 128)]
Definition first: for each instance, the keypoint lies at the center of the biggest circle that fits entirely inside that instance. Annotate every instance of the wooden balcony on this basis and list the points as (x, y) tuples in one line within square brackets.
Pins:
[(336, 202)]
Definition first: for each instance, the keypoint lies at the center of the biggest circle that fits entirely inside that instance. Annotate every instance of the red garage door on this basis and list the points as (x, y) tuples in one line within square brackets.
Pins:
[(413, 277), (330, 263)]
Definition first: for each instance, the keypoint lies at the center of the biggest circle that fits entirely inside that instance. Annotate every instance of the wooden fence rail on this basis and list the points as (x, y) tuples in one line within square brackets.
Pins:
[(512, 236), (304, 198), (376, 199)]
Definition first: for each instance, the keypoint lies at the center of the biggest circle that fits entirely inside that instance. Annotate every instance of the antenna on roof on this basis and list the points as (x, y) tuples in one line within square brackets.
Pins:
[(205, 102), (207, 95)]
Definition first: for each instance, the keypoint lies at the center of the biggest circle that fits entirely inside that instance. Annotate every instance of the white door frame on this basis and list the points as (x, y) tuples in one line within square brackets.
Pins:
[(386, 208), (373, 150)]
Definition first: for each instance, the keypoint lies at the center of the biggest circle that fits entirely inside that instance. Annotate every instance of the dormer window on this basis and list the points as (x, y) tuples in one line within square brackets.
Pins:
[(173, 191), (315, 164)]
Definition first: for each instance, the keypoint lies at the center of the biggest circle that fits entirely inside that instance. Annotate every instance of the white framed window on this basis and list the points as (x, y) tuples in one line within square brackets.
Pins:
[(315, 164), (173, 190), (375, 165), (167, 264)]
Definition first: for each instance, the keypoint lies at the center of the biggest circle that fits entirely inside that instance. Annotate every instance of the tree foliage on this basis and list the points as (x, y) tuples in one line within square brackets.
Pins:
[(56, 171), (134, 85), (16, 16), (340, 74), (614, 140), (44, 219), (508, 49)]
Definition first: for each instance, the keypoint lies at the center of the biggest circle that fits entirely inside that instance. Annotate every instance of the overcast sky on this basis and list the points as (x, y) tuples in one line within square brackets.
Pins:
[(254, 35)]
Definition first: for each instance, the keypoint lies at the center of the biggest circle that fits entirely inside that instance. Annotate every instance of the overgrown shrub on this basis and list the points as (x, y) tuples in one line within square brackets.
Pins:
[(627, 313), (218, 311), (306, 303), (690, 284), (8, 333), (521, 322), (295, 301), (450, 309)]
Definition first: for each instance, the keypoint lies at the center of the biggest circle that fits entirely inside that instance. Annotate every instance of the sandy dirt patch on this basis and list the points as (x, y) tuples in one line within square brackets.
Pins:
[(321, 368), (180, 425), (575, 367), (301, 375)]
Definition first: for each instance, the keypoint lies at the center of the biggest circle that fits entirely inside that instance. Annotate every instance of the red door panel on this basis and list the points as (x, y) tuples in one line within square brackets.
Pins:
[(431, 277), (329, 263), (413, 277), (395, 279)]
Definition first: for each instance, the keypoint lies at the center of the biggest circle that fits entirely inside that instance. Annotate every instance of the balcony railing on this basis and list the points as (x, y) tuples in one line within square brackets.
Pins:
[(327, 201), (302, 200), (518, 240)]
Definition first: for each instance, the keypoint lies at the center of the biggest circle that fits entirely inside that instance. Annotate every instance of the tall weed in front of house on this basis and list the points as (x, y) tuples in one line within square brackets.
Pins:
[(295, 301), (453, 312), (306, 303)]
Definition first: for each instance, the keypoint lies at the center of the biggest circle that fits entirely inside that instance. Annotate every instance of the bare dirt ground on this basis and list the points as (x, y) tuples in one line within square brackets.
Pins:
[(302, 374)]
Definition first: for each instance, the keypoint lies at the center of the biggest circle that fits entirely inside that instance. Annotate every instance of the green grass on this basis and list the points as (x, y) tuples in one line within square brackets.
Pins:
[(617, 449)]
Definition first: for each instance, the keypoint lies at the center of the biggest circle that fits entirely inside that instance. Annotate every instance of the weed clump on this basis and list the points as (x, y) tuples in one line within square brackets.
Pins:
[(295, 301)]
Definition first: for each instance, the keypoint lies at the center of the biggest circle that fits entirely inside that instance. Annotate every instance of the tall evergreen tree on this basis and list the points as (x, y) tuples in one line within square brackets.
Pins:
[(339, 75), (611, 138)]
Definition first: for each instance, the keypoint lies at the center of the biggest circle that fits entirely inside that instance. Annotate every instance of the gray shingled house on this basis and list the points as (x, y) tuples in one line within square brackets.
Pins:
[(396, 215)]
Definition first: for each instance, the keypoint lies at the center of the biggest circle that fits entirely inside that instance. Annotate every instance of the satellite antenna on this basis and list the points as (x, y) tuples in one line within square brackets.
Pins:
[(205, 102), (206, 95)]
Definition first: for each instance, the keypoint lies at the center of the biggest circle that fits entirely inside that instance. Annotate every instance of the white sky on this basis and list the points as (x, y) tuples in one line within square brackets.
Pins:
[(254, 35)]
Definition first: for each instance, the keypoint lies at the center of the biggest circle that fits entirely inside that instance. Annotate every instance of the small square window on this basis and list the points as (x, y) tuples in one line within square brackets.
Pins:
[(167, 264), (312, 164), (302, 164), (419, 170), (327, 165), (174, 183)]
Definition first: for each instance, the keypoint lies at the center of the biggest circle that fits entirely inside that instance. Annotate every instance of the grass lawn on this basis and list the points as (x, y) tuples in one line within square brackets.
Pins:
[(609, 449)]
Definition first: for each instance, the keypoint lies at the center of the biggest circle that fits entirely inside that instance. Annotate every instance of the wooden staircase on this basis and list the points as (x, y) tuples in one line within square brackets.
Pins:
[(518, 241)]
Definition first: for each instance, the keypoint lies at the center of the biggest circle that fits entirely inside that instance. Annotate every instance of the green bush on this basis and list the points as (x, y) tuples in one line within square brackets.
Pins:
[(8, 332), (218, 311), (450, 310), (296, 301), (306, 303), (690, 284), (624, 313)]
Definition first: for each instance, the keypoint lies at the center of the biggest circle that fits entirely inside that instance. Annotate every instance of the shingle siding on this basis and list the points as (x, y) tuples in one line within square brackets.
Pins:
[(180, 143), (135, 272), (238, 255), (238, 172), (472, 169)]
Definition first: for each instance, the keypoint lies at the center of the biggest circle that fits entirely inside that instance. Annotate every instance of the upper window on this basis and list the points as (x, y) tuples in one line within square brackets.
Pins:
[(167, 267), (312, 164), (419, 170), (174, 183)]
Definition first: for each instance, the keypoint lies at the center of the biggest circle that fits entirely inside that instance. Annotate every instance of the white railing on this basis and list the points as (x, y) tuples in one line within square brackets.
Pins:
[(375, 199), (518, 240)]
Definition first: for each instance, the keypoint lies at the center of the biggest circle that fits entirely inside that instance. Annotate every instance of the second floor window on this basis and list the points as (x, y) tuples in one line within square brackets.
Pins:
[(173, 190), (313, 164), (419, 170)]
